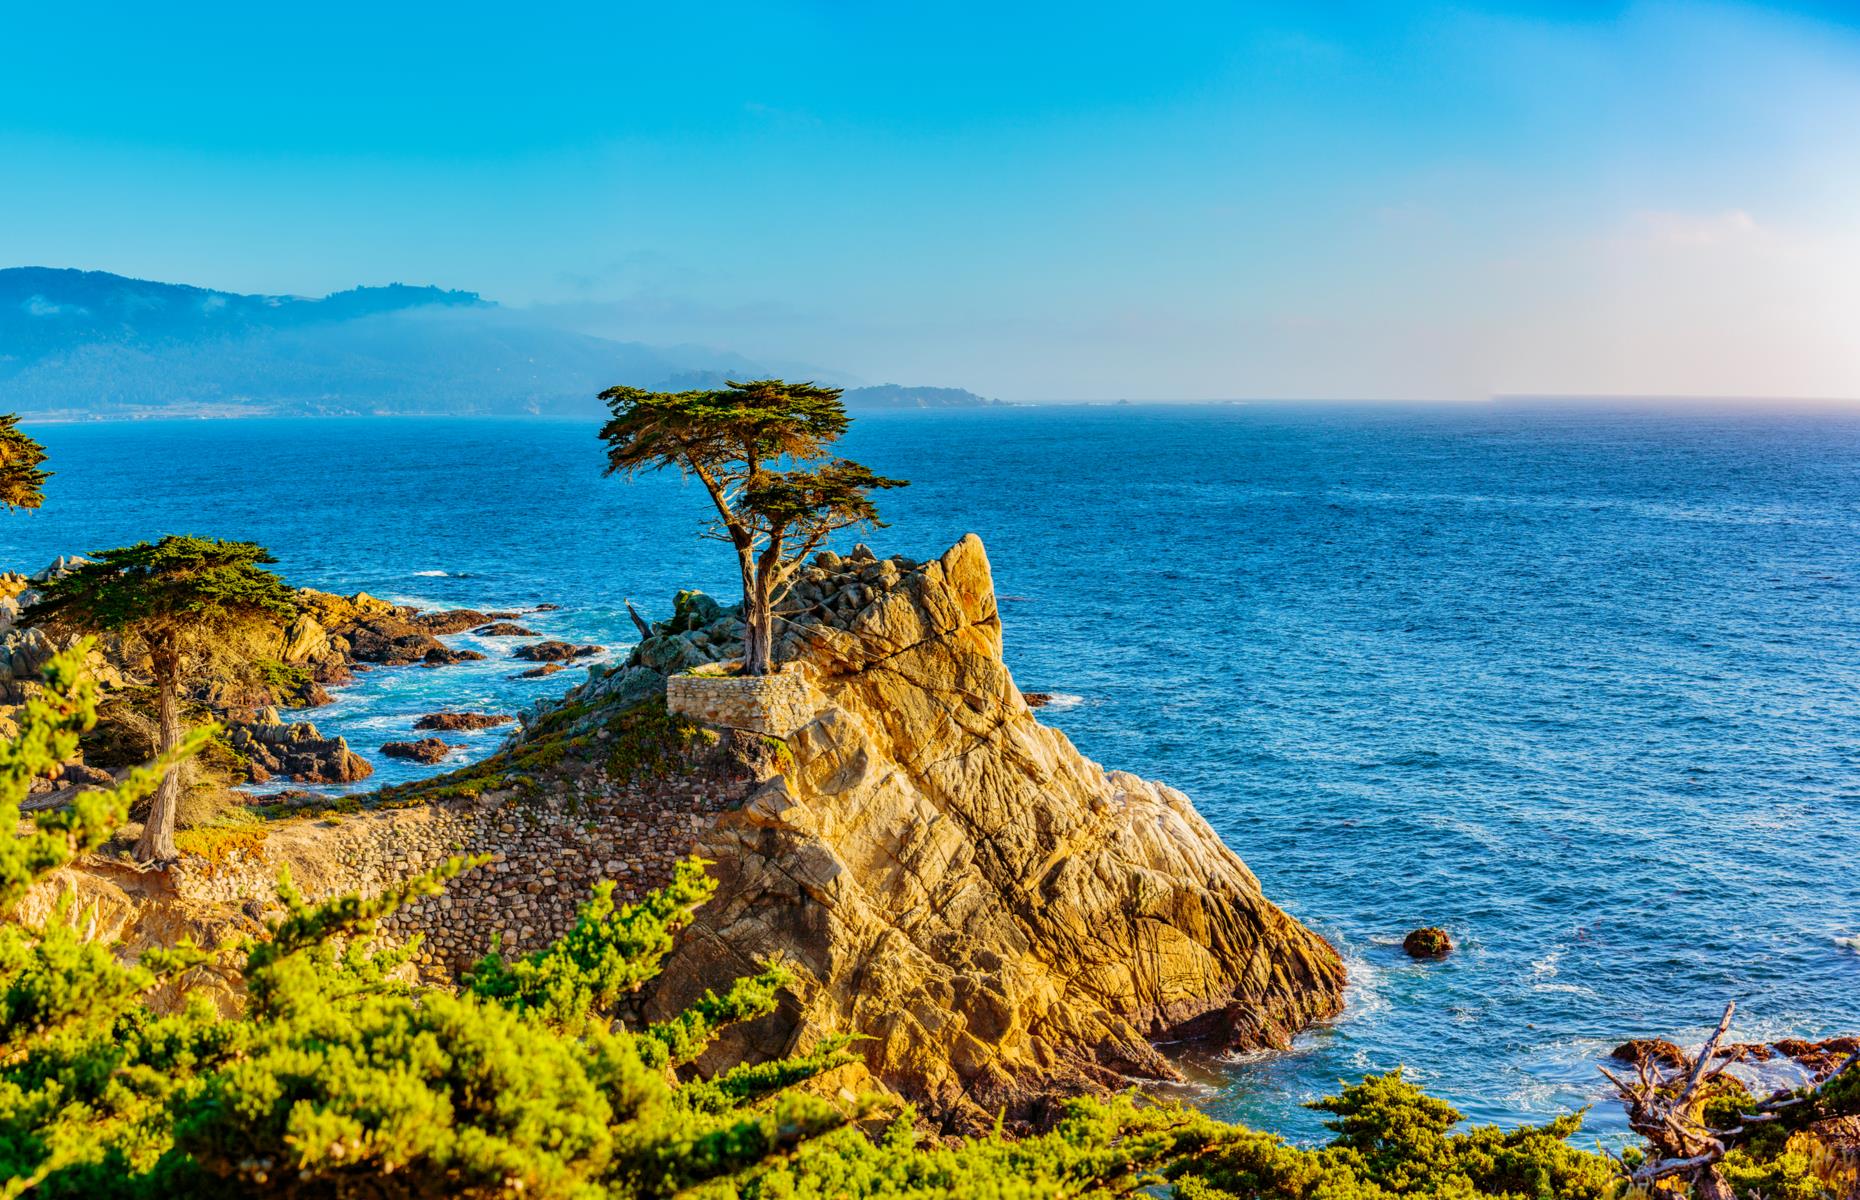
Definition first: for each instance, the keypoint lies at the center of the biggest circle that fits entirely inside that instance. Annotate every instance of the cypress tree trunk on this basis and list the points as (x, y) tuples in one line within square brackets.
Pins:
[(157, 841), (758, 619), (758, 635)]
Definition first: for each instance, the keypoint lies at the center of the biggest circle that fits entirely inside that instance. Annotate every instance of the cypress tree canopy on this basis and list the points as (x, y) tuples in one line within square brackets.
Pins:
[(182, 585), (22, 483)]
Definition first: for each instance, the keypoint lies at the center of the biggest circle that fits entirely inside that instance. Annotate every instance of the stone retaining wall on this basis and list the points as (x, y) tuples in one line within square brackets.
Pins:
[(776, 705)]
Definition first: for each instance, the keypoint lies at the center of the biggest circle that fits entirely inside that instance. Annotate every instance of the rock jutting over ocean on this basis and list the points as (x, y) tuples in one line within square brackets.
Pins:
[(1001, 920), (1002, 917)]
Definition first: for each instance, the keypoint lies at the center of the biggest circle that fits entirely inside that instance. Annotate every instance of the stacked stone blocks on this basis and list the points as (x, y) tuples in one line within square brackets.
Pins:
[(775, 705)]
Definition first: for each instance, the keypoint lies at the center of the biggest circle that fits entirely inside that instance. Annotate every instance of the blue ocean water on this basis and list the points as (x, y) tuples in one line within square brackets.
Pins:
[(1582, 687)]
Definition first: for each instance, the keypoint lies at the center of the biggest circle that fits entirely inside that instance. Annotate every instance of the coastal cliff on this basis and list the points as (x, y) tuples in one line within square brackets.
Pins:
[(1000, 919)]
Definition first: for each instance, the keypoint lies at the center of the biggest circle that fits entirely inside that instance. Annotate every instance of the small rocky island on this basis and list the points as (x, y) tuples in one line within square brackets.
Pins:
[(1001, 919)]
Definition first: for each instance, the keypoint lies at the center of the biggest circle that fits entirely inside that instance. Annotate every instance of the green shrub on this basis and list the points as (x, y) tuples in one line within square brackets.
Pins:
[(285, 682)]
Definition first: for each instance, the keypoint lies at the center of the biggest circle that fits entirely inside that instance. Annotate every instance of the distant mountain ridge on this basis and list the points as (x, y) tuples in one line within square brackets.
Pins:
[(46, 309), (93, 344), (895, 395)]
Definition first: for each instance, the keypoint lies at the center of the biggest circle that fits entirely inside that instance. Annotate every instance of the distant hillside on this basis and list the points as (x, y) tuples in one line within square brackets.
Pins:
[(893, 395), (88, 343)]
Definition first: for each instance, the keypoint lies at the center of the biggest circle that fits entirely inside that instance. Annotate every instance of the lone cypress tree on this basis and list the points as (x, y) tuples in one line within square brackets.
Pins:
[(22, 483), (760, 450), (185, 602)]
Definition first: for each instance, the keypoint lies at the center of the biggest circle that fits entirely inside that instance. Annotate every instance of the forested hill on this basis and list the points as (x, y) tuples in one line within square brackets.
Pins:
[(893, 395), (89, 343), (45, 311)]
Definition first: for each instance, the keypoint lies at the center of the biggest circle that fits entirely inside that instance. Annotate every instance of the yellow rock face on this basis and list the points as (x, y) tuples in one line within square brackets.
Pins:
[(1001, 917)]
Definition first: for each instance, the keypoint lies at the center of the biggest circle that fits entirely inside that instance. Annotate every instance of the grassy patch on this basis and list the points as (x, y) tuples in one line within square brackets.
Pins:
[(648, 741), (236, 832), (784, 757), (645, 741)]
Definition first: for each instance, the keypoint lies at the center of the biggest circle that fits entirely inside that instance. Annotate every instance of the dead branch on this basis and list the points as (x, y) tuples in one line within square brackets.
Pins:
[(639, 622), (1661, 1107)]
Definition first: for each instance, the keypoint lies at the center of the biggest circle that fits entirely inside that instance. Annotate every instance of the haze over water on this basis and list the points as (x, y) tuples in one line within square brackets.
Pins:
[(1580, 686)]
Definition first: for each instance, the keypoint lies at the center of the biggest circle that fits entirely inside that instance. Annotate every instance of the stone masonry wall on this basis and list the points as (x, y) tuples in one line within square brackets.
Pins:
[(776, 705), (547, 852)]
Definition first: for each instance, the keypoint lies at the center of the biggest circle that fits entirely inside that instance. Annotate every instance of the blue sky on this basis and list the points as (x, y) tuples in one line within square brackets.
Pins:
[(1037, 201)]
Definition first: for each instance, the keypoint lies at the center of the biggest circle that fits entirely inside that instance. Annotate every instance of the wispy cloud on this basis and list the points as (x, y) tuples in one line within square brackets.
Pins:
[(39, 306), (1696, 229)]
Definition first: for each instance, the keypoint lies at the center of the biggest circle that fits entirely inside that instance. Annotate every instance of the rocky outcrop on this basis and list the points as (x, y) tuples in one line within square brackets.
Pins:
[(384, 634), (275, 749), (504, 629), (555, 651), (428, 750), (1000, 917), (1817, 1060), (25, 649), (458, 620), (291, 667), (1430, 941)]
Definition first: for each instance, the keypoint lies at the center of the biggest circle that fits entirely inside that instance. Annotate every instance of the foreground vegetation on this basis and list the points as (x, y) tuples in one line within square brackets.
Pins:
[(341, 1079)]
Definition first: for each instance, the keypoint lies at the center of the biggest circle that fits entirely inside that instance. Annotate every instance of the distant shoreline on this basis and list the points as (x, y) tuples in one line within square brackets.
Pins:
[(1649, 405)]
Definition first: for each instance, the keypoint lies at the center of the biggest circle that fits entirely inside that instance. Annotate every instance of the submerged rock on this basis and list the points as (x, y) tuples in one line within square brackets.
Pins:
[(504, 629)]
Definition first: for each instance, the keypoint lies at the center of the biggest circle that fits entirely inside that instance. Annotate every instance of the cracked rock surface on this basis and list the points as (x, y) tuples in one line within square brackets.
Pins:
[(1000, 917)]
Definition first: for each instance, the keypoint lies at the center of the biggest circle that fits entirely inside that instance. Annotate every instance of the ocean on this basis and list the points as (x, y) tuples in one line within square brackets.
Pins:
[(1582, 687)]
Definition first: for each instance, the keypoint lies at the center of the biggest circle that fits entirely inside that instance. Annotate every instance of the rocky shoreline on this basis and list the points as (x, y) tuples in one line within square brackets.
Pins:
[(332, 640)]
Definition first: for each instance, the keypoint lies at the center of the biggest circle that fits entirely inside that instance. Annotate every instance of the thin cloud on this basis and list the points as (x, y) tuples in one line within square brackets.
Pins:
[(1697, 229), (39, 306)]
